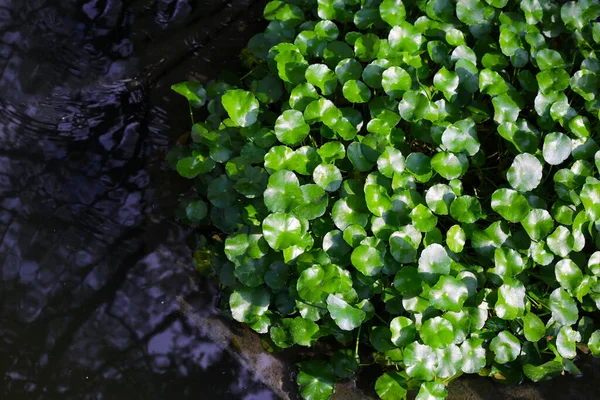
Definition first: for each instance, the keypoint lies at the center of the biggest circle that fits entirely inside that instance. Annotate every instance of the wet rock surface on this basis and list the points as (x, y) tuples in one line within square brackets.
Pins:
[(97, 298)]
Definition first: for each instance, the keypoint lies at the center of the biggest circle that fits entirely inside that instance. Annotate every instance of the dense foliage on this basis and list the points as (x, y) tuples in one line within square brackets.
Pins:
[(416, 181)]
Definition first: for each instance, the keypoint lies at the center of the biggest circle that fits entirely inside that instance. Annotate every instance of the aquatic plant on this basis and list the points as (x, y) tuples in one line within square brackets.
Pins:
[(415, 181)]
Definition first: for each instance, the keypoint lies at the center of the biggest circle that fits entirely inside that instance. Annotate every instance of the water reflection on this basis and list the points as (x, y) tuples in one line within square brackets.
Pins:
[(90, 263)]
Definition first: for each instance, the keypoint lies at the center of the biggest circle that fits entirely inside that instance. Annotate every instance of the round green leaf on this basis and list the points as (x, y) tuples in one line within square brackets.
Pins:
[(302, 95), (466, 209), (196, 210), (403, 331), (268, 90), (380, 338), (335, 246), (344, 214), (391, 386), (390, 162), (594, 263), (344, 363), (439, 198), (590, 197), (276, 275), (448, 294), (437, 332), (277, 158), (378, 200), (594, 343), (194, 92), (395, 81), (248, 304), (354, 234), (332, 151), (314, 202), (492, 83), (372, 74), (241, 106), (510, 204), (366, 47), (525, 173), (414, 106), (566, 342), (327, 29), (568, 274), (432, 391), (422, 218), (461, 136), (251, 271), (563, 307), (433, 263), (328, 177), (348, 69), (449, 361), (405, 37), (345, 316), (322, 77), (315, 380), (508, 263), (304, 160), (304, 332), (505, 109), (283, 192), (309, 285), (456, 238), (473, 355), (511, 299), (533, 327), (278, 10), (538, 223), (282, 230), (407, 281), (290, 127), (291, 66), (356, 155), (356, 92), (585, 84), (244, 245), (446, 81), (220, 192), (367, 260), (580, 126), (557, 148), (548, 59), (191, 167), (506, 347), (392, 11), (419, 165), (420, 361), (449, 165), (473, 12), (560, 241)]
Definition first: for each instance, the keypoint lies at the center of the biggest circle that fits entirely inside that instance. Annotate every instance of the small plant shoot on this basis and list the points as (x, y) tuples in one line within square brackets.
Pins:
[(407, 186)]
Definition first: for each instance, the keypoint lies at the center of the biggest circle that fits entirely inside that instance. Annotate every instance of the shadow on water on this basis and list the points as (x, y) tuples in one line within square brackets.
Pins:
[(92, 268)]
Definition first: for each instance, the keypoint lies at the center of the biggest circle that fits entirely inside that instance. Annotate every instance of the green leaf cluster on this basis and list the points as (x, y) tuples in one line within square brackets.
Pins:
[(416, 181)]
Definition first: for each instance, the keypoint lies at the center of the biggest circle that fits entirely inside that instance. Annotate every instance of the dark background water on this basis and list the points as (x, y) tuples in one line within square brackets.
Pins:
[(91, 262)]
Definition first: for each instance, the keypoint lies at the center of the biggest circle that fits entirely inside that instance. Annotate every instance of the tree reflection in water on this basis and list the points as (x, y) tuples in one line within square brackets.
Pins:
[(90, 262)]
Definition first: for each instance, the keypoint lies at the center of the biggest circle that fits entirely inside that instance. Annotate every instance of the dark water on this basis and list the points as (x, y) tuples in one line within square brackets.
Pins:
[(91, 262)]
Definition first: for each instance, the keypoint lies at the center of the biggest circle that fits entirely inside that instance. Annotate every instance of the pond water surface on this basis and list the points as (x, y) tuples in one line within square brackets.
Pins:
[(92, 266)]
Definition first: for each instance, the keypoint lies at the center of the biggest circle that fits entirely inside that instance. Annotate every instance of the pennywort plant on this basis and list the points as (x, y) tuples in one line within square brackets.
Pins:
[(416, 181)]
